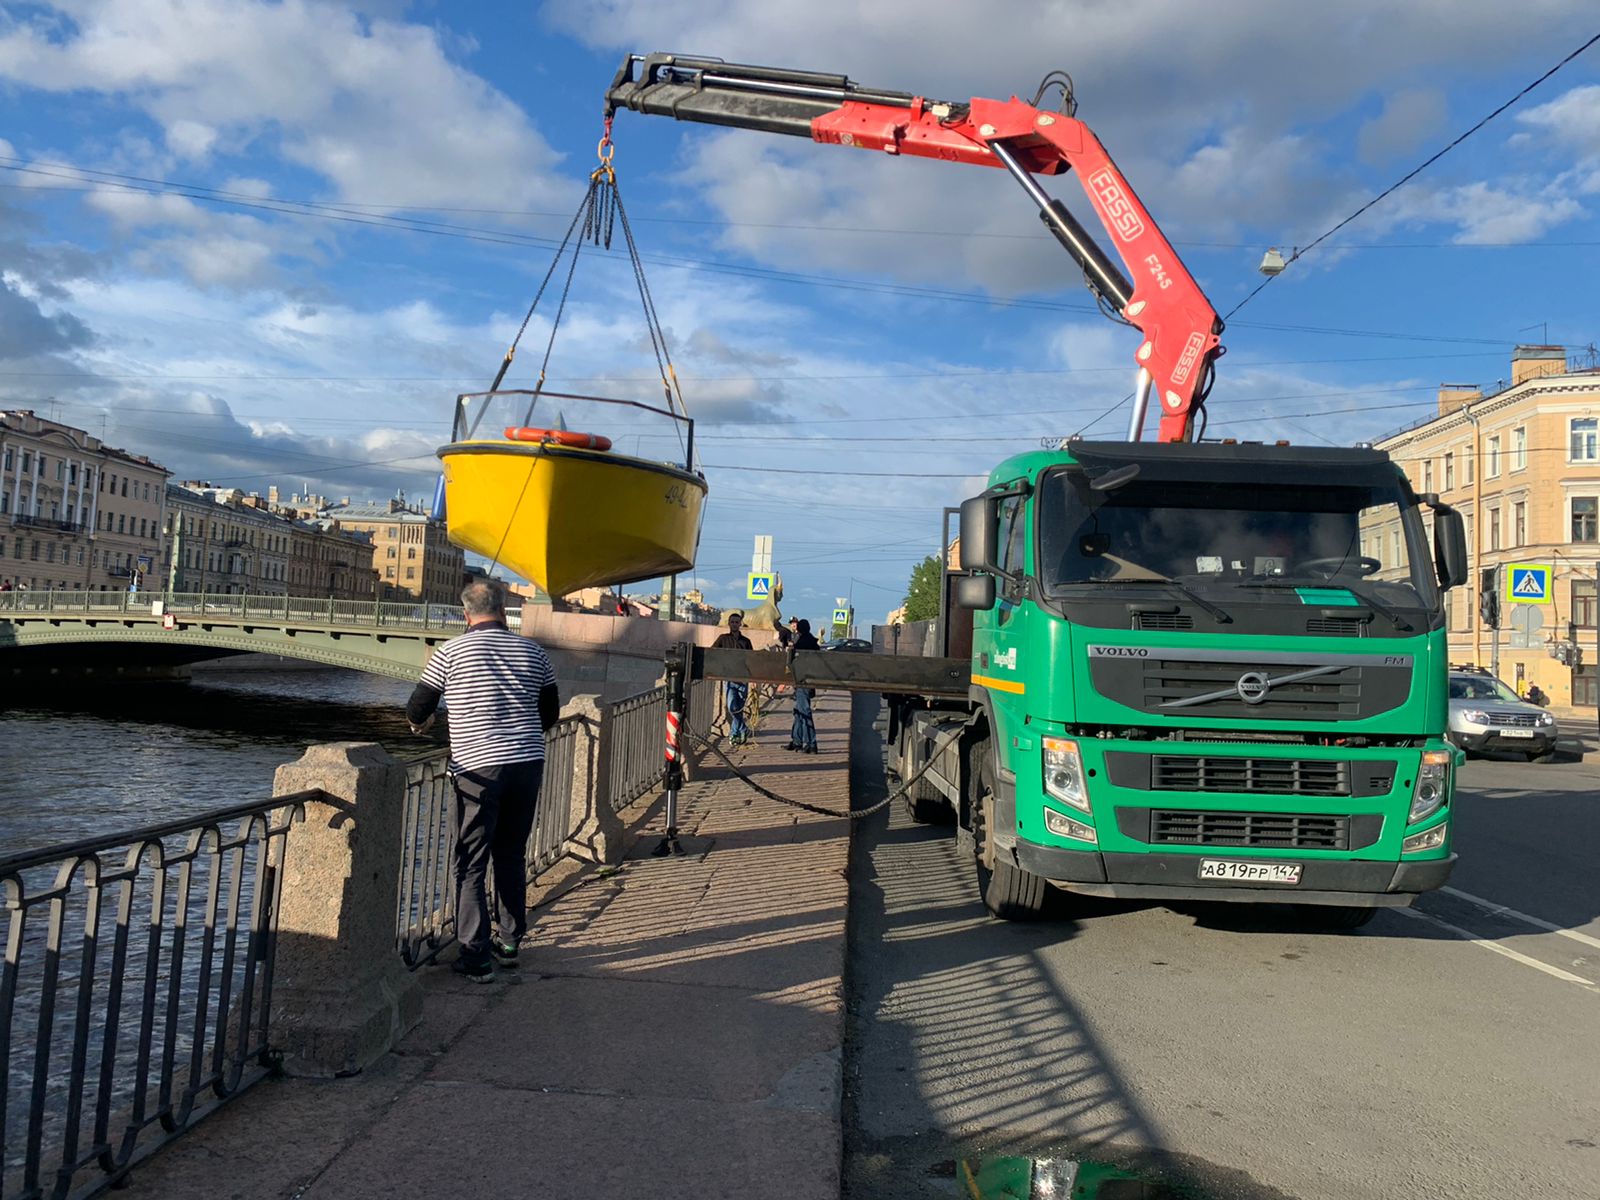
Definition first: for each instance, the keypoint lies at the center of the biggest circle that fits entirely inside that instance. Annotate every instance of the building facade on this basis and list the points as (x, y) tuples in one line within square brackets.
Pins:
[(1522, 465), (218, 540), (226, 541), (74, 513), (411, 552)]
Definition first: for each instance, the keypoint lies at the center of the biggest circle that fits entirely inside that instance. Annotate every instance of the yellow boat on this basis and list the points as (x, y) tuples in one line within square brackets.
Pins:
[(569, 517)]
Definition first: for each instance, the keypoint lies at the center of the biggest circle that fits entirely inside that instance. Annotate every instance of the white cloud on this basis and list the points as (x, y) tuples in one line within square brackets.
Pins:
[(374, 106), (1487, 214), (1572, 120)]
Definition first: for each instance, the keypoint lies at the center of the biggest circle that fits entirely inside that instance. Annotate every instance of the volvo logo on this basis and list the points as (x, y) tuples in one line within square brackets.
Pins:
[(1253, 687)]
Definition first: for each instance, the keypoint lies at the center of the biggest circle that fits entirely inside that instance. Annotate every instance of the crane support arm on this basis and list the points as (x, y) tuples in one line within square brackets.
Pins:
[(1152, 289)]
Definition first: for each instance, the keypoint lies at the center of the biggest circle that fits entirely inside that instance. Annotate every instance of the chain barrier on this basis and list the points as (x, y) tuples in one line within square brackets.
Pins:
[(853, 814)]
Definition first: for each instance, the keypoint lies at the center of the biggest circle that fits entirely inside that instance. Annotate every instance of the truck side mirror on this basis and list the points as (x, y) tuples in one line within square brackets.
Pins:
[(979, 517), (974, 591), (1449, 547)]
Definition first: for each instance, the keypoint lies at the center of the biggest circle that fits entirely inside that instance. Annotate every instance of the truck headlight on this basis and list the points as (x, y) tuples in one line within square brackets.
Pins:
[(1428, 839), (1064, 826), (1474, 716), (1433, 778), (1063, 773)]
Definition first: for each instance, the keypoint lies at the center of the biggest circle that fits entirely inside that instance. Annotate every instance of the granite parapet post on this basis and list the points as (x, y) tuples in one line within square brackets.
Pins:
[(341, 996)]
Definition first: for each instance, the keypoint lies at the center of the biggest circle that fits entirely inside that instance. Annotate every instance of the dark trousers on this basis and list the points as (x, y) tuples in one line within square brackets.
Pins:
[(803, 732), (494, 816)]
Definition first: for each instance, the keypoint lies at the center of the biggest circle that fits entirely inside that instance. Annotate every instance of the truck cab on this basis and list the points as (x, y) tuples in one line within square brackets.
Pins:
[(1186, 683)]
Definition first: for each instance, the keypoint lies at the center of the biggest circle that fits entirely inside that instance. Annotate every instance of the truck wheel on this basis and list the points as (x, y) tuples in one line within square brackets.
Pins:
[(926, 805), (1008, 891), (1334, 917)]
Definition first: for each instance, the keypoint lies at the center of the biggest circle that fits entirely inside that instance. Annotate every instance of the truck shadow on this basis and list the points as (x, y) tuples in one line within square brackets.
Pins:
[(960, 1042)]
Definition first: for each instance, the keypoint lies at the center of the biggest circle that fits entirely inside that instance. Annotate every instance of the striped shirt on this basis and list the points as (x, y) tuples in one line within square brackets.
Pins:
[(490, 679)]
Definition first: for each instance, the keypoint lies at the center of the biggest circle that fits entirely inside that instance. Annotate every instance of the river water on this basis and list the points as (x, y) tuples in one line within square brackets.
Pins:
[(115, 757)]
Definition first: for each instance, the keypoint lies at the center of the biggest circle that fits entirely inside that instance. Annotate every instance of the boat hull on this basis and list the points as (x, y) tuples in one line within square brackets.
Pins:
[(569, 518)]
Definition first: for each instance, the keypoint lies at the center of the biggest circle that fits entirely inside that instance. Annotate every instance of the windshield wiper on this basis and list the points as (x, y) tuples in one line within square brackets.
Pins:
[(1366, 598), (1199, 600)]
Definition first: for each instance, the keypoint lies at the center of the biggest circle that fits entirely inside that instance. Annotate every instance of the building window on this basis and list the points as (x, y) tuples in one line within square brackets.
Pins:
[(124, 485), (27, 462), (50, 552), (1519, 449), (1491, 459), (122, 523), (1585, 519), (411, 572), (393, 553), (411, 552), (61, 469), (5, 503), (8, 458), (72, 474), (1471, 468), (1394, 549), (1427, 475), (1494, 529), (1584, 444), (1583, 603), (1519, 523)]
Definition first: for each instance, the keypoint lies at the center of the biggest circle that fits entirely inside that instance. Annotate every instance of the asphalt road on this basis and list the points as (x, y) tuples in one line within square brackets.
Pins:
[(1451, 1050)]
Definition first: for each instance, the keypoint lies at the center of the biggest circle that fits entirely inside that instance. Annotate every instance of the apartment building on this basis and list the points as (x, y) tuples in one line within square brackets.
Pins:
[(1522, 464), (411, 552), (327, 560), (220, 540), (75, 513)]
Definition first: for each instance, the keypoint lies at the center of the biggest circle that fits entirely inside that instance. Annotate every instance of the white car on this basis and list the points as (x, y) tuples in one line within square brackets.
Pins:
[(1487, 715)]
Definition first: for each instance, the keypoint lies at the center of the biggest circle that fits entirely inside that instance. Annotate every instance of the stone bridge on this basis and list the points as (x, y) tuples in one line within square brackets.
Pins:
[(78, 636)]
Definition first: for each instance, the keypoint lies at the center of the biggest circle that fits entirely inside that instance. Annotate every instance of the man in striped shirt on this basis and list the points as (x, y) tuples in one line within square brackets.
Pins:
[(500, 692)]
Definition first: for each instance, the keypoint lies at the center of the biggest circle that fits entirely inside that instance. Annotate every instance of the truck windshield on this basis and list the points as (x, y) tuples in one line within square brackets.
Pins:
[(1233, 536)]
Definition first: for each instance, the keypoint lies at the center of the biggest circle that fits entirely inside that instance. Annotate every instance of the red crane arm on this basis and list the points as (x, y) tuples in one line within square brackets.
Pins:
[(1181, 328)]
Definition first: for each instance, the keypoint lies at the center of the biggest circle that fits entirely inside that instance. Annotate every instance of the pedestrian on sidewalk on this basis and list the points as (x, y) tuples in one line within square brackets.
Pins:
[(736, 692), (803, 732), (501, 694)]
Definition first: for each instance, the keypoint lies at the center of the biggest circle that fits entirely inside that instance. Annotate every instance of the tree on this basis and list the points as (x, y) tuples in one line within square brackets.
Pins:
[(922, 593)]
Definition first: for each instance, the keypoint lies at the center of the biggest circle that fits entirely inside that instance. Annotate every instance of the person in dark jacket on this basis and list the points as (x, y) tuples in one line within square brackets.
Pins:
[(803, 733), (501, 694), (736, 692)]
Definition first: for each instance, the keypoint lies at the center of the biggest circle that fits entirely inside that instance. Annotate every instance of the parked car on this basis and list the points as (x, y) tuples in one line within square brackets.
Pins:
[(1487, 715), (851, 646)]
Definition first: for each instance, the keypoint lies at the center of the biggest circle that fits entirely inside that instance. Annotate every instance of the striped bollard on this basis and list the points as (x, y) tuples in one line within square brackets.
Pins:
[(673, 780)]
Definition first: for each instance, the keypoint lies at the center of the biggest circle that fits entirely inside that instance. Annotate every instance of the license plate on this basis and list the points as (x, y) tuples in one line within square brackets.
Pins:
[(1527, 733), (1234, 871)]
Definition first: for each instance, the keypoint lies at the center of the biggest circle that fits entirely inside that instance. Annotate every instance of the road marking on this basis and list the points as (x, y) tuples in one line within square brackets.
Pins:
[(1490, 944), (1537, 922)]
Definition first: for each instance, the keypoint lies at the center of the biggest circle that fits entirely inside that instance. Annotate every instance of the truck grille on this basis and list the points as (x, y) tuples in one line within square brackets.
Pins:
[(1510, 719), (1163, 621), (1336, 627), (1203, 684), (1279, 831), (1227, 773)]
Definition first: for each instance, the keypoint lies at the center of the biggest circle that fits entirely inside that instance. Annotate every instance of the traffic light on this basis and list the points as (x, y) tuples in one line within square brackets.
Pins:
[(1489, 600)]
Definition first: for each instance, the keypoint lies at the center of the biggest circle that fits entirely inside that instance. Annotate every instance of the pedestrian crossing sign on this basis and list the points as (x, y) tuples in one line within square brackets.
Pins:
[(1528, 583), (760, 587), (841, 616)]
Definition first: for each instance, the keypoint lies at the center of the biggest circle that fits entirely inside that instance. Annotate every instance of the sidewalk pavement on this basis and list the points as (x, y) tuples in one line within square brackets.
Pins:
[(676, 1032)]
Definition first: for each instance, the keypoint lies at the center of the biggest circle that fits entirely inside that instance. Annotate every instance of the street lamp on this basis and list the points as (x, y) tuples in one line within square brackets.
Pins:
[(1273, 263)]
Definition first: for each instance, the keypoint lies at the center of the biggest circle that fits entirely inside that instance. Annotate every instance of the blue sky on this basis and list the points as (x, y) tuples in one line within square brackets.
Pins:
[(859, 339)]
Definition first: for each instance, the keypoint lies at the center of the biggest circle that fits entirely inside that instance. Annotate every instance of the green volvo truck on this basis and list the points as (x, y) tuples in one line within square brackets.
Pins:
[(1188, 683)]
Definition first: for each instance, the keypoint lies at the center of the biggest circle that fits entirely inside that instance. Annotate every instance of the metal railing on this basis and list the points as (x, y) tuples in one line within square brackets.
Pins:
[(286, 609), (636, 726), (54, 523), (426, 915), (106, 1055)]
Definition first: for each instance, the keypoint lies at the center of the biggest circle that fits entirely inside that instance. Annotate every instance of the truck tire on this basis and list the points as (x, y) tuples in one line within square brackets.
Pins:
[(1008, 891), (1334, 918), (926, 805)]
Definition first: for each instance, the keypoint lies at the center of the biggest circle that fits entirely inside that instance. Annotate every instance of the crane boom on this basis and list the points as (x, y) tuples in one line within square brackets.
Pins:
[(1181, 328)]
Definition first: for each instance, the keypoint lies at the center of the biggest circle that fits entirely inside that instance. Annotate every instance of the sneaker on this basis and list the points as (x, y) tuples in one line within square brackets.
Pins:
[(504, 953), (474, 972), (791, 746)]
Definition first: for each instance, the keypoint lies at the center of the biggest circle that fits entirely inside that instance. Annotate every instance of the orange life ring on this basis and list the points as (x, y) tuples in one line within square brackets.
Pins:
[(561, 437)]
